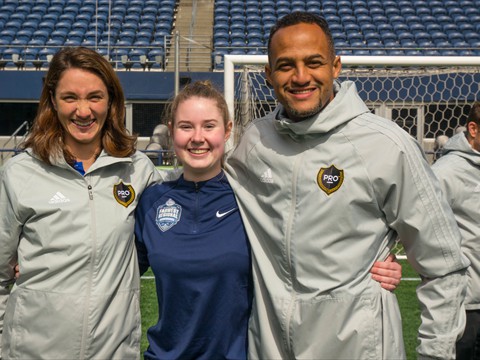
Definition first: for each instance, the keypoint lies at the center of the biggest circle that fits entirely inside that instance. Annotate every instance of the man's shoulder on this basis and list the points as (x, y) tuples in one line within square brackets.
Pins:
[(449, 163), (377, 129)]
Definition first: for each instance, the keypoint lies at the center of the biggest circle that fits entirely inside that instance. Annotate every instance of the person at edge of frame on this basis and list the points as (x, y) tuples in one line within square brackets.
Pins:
[(459, 173)]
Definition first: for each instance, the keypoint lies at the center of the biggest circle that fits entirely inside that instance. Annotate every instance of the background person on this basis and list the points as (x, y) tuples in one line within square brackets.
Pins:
[(459, 173), (67, 207), (325, 187)]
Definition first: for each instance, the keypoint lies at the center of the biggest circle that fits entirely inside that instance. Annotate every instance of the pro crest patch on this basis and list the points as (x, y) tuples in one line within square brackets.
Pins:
[(123, 193), (330, 179), (168, 215)]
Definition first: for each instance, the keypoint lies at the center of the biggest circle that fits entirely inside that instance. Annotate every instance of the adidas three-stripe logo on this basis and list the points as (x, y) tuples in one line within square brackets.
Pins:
[(58, 198)]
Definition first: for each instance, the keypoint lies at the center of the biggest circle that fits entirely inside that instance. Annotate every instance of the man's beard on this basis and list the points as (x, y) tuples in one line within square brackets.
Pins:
[(297, 115)]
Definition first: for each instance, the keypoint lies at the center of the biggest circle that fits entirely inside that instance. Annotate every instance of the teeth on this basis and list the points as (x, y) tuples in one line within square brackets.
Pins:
[(79, 123), (301, 91), (198, 151)]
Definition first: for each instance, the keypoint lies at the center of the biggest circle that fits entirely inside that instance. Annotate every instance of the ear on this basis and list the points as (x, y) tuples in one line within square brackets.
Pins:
[(472, 129), (52, 99), (268, 73), (337, 67), (228, 130), (170, 128)]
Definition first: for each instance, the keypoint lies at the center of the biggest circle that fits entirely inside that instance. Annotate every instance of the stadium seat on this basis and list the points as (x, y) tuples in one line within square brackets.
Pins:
[(388, 36), (442, 43), (443, 19), (221, 10), (30, 25), (42, 35), (146, 26), (75, 35), (376, 11), (471, 37), (455, 36), (339, 36), (448, 52), (237, 27), (422, 37), (466, 52), (378, 52), (351, 27), (34, 17), (281, 12), (378, 19), (13, 25), (431, 28), (220, 27), (372, 37), (130, 25), (255, 35), (396, 19), (358, 11), (412, 19), (455, 11), (400, 27), (59, 34)]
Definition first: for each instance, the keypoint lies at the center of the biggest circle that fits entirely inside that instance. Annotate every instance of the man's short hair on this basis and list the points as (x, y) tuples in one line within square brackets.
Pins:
[(302, 17), (474, 114)]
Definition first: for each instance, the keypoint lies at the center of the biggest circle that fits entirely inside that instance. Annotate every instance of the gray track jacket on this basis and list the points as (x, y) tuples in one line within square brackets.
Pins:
[(78, 292), (459, 173), (322, 200)]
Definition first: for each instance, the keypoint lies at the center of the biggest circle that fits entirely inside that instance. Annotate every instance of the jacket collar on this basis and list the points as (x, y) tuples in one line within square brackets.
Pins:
[(103, 160), (460, 146), (345, 106)]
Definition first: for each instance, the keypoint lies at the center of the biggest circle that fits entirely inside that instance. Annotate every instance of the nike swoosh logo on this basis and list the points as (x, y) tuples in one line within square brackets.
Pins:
[(219, 214)]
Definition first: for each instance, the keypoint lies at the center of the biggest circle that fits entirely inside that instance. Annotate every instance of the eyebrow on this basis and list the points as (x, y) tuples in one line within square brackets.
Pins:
[(308, 58), (71, 92)]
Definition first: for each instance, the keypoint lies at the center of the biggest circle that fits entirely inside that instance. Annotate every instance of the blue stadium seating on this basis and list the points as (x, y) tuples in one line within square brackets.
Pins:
[(373, 27)]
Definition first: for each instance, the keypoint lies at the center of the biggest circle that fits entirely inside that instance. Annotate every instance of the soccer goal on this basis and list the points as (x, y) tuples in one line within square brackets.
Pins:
[(429, 97)]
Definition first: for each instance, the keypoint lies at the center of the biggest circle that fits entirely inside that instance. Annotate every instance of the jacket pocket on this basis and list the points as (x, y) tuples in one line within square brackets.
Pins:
[(41, 324), (346, 327)]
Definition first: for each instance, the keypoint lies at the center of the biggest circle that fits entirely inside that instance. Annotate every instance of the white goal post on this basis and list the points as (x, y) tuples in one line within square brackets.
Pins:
[(427, 96)]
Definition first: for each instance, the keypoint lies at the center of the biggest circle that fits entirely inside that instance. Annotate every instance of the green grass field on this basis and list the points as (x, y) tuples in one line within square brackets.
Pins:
[(405, 294)]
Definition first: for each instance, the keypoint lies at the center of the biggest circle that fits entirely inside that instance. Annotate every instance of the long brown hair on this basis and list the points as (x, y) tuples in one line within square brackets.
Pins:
[(47, 134)]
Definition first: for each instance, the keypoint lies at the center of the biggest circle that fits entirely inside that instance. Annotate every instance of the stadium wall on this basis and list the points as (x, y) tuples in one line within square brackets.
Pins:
[(138, 85)]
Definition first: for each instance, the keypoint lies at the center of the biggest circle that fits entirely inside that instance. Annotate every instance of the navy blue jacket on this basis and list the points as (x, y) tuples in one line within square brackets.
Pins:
[(193, 238)]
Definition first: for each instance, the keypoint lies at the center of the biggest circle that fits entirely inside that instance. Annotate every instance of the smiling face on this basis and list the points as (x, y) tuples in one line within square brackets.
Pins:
[(199, 135), (81, 102), (302, 69)]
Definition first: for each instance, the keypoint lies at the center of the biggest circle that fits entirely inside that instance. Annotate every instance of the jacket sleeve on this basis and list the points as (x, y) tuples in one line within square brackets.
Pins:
[(10, 229), (140, 214), (414, 206)]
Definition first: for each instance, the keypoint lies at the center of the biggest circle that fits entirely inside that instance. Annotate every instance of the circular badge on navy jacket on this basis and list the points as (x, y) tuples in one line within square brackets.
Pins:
[(123, 193), (330, 179), (168, 215)]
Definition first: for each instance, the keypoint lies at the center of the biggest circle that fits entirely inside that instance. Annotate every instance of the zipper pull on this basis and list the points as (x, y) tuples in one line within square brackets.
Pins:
[(90, 192)]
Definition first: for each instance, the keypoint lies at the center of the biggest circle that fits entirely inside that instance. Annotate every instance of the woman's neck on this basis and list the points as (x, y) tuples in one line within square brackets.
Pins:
[(85, 154)]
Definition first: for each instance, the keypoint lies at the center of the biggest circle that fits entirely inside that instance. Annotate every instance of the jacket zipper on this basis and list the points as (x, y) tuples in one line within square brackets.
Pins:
[(195, 223), (293, 294), (90, 273)]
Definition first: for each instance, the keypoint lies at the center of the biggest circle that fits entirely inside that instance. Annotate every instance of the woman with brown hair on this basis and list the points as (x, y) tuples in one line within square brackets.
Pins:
[(67, 206)]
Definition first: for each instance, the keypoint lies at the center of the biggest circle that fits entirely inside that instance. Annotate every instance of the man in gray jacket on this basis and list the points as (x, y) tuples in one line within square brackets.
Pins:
[(325, 187), (459, 173)]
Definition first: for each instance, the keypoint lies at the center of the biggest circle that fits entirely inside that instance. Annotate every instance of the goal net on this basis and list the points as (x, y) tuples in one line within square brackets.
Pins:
[(429, 97)]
